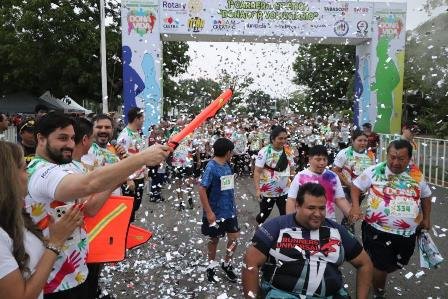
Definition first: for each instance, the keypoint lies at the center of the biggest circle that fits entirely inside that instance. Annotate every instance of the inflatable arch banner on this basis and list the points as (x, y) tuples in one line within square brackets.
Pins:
[(376, 29)]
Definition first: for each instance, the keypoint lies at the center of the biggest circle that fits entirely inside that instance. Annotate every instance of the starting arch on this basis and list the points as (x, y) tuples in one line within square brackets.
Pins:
[(377, 30)]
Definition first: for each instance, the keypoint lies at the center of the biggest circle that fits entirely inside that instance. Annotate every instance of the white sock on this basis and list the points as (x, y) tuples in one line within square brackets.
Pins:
[(212, 264)]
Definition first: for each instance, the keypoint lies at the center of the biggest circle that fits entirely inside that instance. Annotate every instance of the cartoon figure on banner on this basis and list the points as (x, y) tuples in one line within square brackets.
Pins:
[(387, 78), (358, 93), (133, 85), (150, 97)]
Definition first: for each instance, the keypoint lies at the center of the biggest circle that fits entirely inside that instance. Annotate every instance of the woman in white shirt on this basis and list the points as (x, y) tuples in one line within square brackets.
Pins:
[(26, 259)]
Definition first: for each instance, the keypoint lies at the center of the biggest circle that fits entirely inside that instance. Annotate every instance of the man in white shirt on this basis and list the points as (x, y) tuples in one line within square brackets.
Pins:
[(52, 182), (4, 123), (131, 140)]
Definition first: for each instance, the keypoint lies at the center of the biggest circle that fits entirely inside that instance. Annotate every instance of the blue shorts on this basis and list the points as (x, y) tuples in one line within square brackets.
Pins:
[(229, 225)]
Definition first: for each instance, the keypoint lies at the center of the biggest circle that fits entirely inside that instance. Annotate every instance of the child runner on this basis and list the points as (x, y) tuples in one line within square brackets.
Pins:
[(216, 192)]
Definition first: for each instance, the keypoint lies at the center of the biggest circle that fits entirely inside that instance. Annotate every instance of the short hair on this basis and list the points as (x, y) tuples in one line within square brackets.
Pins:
[(399, 144), (84, 127), (275, 131), (222, 146), (318, 150), (313, 189), (48, 123), (3, 116), (356, 133), (40, 107), (367, 125), (102, 116), (134, 113)]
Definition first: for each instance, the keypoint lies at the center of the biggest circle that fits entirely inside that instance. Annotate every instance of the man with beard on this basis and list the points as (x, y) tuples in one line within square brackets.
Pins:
[(102, 153), (53, 182)]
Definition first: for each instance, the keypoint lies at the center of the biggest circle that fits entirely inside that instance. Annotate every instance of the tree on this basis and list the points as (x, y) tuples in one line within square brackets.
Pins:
[(54, 45), (192, 95), (240, 84), (327, 71)]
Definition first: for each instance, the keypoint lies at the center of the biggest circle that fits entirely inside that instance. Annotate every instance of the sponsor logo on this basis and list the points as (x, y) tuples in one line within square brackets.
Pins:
[(195, 6), (318, 26), (224, 25), (335, 9), (196, 24), (256, 25), (341, 28), (174, 6), (390, 26), (361, 10), (170, 23), (141, 21), (362, 27), (288, 27)]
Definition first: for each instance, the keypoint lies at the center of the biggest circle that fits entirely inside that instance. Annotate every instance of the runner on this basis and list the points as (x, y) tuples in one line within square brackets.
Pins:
[(398, 205), (299, 254), (273, 169), (318, 173), (217, 195), (350, 163)]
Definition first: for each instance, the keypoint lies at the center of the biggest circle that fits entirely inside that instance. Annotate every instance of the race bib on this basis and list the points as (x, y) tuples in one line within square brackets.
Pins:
[(403, 208), (227, 182)]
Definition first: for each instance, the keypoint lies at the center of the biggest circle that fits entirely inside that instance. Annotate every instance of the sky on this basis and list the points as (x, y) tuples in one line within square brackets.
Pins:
[(269, 64)]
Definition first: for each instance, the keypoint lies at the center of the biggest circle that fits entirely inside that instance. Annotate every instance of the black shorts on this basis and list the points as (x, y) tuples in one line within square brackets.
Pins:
[(229, 225), (388, 252), (181, 172)]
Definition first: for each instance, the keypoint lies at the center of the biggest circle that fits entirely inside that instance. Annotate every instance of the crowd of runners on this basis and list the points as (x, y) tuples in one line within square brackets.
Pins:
[(307, 166)]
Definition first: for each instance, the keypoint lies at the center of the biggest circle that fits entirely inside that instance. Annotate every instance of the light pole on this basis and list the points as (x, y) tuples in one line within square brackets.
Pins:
[(103, 59)]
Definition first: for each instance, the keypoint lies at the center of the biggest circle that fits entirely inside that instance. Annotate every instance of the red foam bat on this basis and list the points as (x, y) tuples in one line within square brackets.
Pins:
[(207, 113)]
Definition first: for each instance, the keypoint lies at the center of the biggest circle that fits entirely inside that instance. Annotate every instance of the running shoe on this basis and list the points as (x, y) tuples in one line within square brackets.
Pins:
[(230, 272), (211, 275)]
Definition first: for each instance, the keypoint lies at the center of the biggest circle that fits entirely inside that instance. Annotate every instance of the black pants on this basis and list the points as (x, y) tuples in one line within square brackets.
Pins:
[(267, 204), (157, 180), (81, 291), (137, 194)]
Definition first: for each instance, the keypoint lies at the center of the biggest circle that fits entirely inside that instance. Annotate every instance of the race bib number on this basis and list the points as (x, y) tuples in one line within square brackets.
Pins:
[(403, 208), (227, 182)]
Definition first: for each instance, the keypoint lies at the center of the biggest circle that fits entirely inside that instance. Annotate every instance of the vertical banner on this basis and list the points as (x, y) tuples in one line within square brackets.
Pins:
[(387, 46), (141, 56), (363, 113)]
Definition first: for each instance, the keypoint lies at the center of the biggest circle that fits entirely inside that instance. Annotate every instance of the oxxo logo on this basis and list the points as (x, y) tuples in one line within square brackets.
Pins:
[(196, 24), (341, 28), (170, 23), (224, 25)]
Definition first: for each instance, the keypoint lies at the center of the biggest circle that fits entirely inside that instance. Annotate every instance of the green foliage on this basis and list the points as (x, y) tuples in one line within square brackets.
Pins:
[(54, 45), (426, 76), (327, 71)]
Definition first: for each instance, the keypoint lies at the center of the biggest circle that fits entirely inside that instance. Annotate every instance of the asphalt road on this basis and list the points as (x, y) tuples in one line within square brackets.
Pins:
[(172, 264)]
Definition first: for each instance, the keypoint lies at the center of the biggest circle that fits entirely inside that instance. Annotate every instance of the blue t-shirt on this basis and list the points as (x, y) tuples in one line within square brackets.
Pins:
[(303, 261), (215, 178)]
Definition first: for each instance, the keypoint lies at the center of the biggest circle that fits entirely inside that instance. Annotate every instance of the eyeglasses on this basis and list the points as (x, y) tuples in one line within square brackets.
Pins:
[(28, 124)]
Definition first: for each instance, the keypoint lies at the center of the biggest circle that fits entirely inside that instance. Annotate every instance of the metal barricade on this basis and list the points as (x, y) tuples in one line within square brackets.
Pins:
[(11, 134), (430, 156)]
